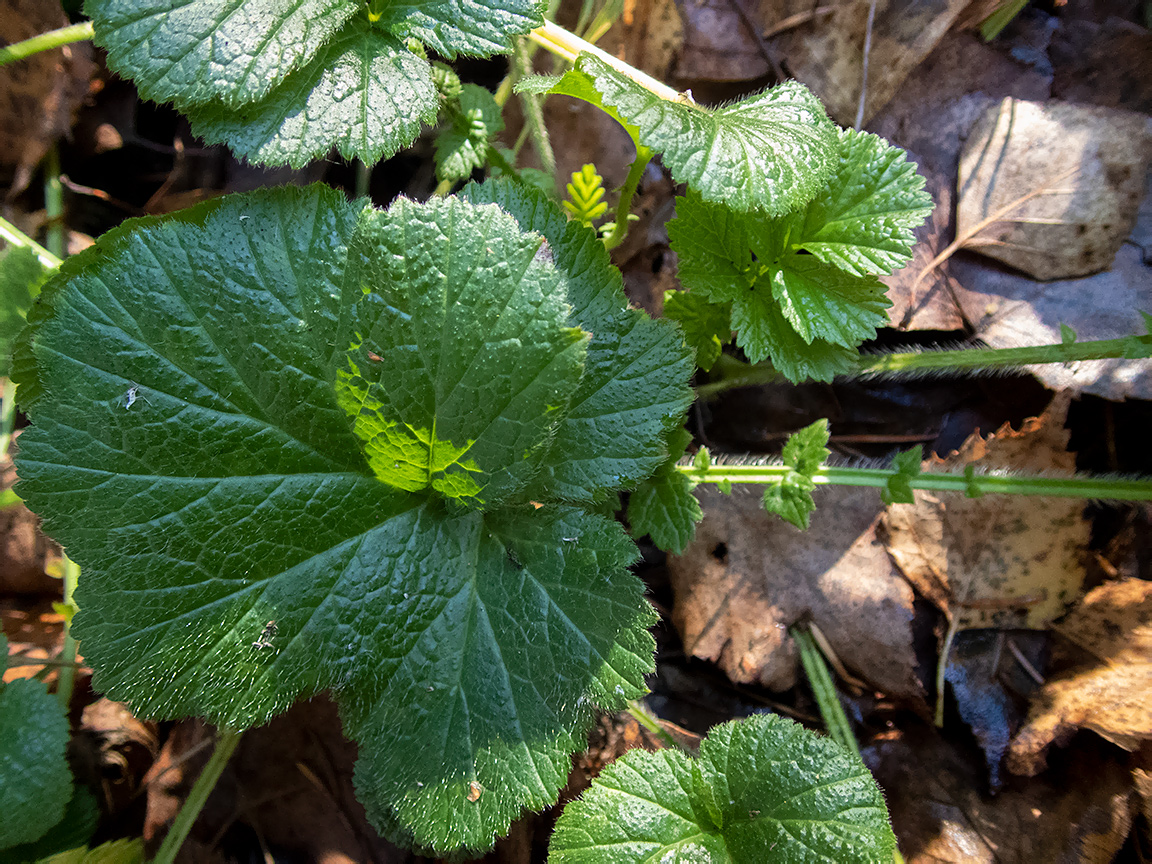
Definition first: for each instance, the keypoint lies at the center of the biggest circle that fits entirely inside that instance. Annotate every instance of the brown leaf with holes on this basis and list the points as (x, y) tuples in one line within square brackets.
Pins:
[(1008, 561), (40, 94), (1113, 695), (748, 576)]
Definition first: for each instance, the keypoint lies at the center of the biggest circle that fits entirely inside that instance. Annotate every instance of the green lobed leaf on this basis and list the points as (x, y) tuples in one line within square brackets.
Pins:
[(462, 145), (635, 385), (761, 789), (804, 452), (35, 783), (663, 506), (707, 326), (21, 276), (244, 538), (862, 221), (192, 52), (473, 27), (899, 487), (769, 152), (363, 93), (738, 259)]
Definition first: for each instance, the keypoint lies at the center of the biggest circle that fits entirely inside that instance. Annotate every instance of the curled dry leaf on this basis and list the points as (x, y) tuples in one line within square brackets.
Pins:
[(748, 576), (1111, 696), (1062, 182), (997, 561)]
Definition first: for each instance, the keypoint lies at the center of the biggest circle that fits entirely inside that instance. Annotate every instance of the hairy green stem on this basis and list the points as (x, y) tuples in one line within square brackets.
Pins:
[(226, 742), (824, 689), (46, 42), (554, 38), (910, 364), (533, 111), (67, 679), (627, 193), (7, 414), (1099, 488), (13, 235)]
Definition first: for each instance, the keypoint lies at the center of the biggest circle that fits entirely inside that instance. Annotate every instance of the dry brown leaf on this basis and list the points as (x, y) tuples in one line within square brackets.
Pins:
[(1076, 224), (998, 561), (38, 95), (942, 815), (748, 576), (828, 54), (1112, 697)]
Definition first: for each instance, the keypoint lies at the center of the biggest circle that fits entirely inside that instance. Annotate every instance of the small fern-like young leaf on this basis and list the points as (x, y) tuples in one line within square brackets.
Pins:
[(585, 203)]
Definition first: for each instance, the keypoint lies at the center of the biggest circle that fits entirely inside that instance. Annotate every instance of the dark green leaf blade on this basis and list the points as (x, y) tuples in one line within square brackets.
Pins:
[(364, 94), (21, 276), (640, 808), (762, 789), (770, 152), (485, 707), (862, 222), (663, 506), (466, 365), (192, 52), (707, 326), (462, 145), (471, 27), (239, 550), (635, 385), (35, 783)]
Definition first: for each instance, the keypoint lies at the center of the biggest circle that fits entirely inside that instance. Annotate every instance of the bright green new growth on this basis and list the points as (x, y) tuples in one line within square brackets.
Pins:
[(284, 82), (805, 452), (585, 202), (35, 783), (762, 789), (300, 444), (802, 288)]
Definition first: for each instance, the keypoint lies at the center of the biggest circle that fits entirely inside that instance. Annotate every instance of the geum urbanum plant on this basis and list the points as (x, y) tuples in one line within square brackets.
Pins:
[(302, 444)]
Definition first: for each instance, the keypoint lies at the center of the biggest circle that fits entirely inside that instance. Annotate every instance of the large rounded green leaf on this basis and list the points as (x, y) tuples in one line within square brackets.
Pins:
[(291, 440)]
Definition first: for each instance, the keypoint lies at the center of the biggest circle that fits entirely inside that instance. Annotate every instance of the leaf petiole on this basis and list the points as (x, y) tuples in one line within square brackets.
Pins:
[(46, 42)]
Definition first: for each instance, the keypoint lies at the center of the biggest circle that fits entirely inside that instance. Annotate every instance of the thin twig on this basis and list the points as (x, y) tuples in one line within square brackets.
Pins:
[(1025, 664), (765, 50), (797, 19), (864, 69)]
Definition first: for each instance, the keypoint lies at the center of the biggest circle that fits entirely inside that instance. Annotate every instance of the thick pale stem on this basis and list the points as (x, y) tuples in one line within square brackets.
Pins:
[(569, 46), (1098, 488), (11, 234), (46, 42)]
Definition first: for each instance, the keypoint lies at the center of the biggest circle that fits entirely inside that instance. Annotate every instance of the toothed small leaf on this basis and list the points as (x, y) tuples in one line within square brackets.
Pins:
[(762, 790), (21, 276), (906, 464), (862, 221)]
